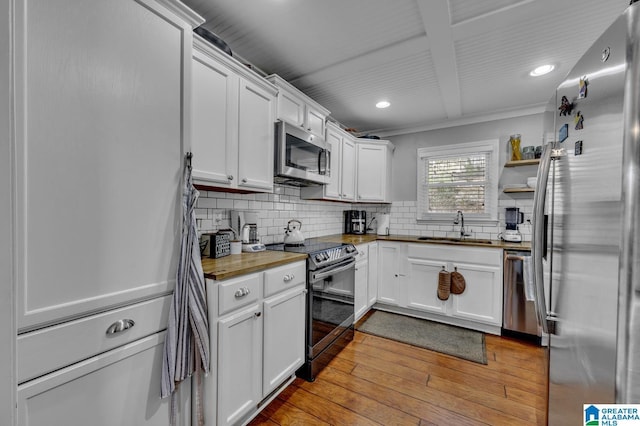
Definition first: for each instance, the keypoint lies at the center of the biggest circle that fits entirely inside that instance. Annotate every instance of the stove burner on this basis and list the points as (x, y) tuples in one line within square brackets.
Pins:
[(321, 253)]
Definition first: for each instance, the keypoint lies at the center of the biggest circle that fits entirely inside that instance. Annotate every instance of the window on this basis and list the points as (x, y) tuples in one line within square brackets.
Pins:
[(458, 177)]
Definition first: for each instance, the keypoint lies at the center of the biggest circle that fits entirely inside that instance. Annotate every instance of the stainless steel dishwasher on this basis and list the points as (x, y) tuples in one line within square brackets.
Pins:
[(519, 313)]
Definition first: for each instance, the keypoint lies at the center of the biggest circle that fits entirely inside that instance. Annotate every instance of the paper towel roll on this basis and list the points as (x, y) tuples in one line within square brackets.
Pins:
[(383, 224)]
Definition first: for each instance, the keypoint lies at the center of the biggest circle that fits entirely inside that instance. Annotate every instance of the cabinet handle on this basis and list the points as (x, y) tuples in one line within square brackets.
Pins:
[(244, 180), (120, 326), (230, 177), (241, 292), (288, 277), (257, 314)]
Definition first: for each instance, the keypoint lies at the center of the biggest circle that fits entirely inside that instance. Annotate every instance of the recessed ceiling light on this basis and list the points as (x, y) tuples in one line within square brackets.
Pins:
[(382, 104), (542, 70)]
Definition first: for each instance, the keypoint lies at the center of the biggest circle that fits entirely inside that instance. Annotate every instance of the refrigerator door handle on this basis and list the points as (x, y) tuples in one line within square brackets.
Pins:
[(537, 250)]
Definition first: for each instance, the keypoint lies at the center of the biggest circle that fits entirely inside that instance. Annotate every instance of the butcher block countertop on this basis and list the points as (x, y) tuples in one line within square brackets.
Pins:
[(367, 238), (240, 264)]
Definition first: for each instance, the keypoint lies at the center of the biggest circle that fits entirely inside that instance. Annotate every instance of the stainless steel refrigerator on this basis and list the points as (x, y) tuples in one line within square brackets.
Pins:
[(586, 243)]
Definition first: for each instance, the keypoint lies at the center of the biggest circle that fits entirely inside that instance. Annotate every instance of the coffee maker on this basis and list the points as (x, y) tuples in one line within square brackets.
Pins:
[(513, 217), (245, 224), (355, 222)]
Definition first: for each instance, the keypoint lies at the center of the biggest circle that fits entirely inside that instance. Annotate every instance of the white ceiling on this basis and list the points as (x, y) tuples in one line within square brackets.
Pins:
[(437, 61)]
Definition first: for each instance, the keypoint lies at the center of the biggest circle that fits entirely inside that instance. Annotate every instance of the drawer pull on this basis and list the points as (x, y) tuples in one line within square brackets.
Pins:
[(120, 326), (241, 292), (288, 277)]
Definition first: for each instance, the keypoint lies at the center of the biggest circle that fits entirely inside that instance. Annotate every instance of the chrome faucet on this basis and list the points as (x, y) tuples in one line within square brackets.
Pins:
[(459, 220)]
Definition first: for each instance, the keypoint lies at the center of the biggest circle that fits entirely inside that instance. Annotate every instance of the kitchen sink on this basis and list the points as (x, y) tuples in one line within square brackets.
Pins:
[(455, 240)]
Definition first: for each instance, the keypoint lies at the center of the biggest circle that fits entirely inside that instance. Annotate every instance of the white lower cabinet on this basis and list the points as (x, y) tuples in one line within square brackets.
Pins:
[(239, 364), (416, 290), (372, 282), (361, 281), (259, 345), (118, 387), (283, 350), (391, 271)]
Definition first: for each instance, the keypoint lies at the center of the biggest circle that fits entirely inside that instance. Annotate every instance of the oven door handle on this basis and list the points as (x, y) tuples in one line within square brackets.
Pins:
[(317, 276)]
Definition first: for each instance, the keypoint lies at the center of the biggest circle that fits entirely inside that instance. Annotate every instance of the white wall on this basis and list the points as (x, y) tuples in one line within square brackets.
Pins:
[(8, 329), (404, 157), (404, 209)]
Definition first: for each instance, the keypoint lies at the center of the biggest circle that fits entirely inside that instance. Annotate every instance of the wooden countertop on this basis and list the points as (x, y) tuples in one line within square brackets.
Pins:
[(240, 264), (367, 238)]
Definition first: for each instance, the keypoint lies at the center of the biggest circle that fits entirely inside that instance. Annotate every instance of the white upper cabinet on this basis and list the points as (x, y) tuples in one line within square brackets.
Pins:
[(298, 109), (341, 187), (373, 170), (232, 126), (100, 107), (213, 123)]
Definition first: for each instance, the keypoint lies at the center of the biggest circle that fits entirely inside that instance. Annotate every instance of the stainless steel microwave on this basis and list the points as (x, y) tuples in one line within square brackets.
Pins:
[(301, 158)]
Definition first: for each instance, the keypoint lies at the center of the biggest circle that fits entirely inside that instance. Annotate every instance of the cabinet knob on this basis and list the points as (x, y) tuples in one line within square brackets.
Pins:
[(241, 292), (230, 177), (120, 326), (257, 314), (288, 277), (244, 180)]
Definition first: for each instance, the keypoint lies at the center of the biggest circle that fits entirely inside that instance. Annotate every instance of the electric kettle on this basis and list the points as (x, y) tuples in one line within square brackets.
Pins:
[(292, 234)]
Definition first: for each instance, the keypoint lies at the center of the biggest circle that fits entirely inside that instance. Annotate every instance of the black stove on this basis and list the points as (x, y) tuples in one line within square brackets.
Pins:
[(321, 253)]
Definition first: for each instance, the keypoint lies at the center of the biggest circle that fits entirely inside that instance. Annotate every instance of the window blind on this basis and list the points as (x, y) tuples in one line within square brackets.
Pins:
[(457, 183), (458, 177)]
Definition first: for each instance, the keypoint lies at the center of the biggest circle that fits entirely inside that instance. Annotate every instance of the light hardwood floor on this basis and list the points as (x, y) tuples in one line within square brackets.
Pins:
[(376, 381)]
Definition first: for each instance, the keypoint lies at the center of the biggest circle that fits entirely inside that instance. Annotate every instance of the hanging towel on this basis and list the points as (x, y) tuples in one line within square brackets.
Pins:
[(527, 277), (186, 348)]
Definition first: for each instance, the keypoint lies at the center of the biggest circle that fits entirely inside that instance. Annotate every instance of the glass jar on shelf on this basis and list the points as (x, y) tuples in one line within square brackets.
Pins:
[(514, 140)]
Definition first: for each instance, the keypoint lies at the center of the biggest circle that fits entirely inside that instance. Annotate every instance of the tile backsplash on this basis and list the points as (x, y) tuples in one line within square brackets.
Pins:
[(319, 218)]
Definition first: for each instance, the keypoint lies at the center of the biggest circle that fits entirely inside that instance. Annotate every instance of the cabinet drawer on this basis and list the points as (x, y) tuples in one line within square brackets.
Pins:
[(121, 386), (51, 348), (238, 292), (284, 277)]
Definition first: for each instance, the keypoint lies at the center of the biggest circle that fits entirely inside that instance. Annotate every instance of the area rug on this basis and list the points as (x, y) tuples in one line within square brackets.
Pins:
[(447, 339)]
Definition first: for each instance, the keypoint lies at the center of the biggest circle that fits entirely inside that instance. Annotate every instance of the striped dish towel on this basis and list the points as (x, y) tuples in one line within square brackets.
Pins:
[(186, 348)]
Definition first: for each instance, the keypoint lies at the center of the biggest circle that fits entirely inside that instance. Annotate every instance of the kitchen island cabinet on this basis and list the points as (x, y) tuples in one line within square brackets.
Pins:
[(232, 130), (257, 326)]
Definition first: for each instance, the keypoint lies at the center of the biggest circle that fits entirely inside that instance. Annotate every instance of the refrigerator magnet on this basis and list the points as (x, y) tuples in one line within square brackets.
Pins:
[(578, 148), (565, 106), (582, 92), (563, 133), (579, 120)]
